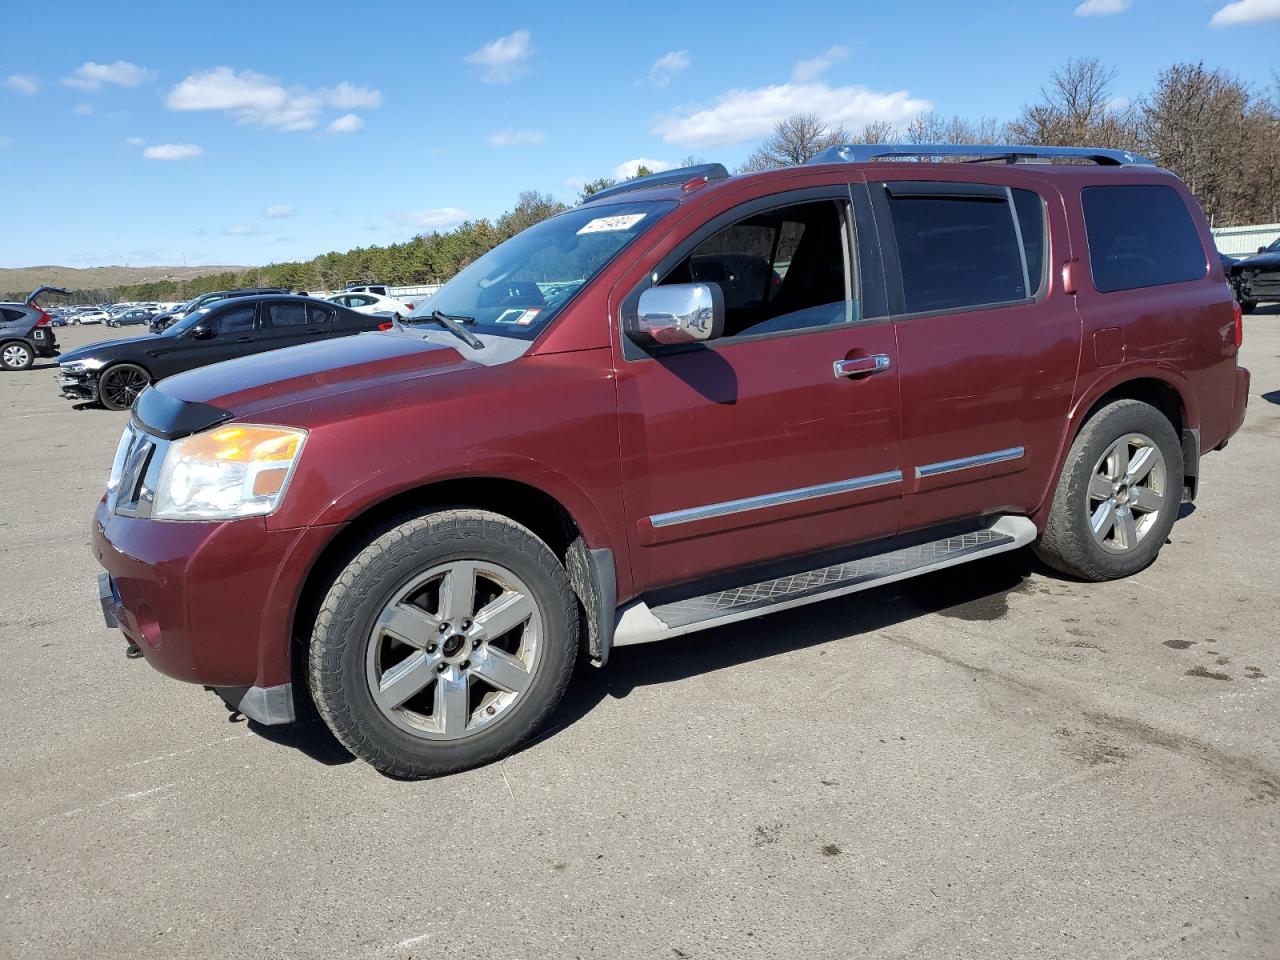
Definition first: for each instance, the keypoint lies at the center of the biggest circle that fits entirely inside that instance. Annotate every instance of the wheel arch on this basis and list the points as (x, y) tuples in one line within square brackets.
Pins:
[(591, 571), (1160, 387)]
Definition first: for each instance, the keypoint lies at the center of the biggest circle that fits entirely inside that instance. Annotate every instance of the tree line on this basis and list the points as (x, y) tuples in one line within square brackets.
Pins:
[(1221, 136)]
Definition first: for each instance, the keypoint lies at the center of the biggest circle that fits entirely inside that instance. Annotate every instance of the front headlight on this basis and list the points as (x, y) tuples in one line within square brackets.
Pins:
[(239, 470), (81, 366)]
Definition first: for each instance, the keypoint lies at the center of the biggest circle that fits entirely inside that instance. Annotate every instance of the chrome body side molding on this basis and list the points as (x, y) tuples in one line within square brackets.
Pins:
[(966, 463), (797, 495), (638, 623)]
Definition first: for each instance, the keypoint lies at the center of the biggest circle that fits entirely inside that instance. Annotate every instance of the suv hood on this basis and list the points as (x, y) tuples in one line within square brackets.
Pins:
[(313, 372)]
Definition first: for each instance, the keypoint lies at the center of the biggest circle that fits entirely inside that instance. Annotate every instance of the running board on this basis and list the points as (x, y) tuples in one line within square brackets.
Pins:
[(638, 623)]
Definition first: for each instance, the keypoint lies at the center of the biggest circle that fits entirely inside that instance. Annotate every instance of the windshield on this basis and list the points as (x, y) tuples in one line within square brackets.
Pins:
[(518, 287), (1274, 246)]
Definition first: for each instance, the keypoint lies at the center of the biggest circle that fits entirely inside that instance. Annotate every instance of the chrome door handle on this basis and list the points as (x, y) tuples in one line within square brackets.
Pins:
[(876, 363)]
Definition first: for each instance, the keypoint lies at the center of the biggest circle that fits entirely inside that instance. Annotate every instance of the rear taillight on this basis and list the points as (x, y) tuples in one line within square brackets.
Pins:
[(44, 317), (1235, 305), (408, 306), (386, 326)]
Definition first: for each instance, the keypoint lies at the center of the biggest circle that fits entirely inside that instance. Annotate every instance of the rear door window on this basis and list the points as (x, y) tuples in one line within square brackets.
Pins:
[(1140, 235), (287, 314), (963, 250)]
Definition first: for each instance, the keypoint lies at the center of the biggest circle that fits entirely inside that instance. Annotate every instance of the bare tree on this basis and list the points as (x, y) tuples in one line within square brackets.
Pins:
[(879, 132), (793, 141), (1077, 108), (931, 128)]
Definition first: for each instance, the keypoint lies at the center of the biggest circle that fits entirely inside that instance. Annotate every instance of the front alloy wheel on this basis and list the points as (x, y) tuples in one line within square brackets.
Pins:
[(444, 643), (119, 386), (454, 650)]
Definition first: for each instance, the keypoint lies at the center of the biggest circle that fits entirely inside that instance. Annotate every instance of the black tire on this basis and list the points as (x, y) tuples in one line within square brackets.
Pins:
[(17, 355), (343, 630), (1068, 543), (1248, 306), (120, 384)]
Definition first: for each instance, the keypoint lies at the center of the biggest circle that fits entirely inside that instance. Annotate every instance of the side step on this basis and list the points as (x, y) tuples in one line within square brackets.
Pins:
[(638, 623)]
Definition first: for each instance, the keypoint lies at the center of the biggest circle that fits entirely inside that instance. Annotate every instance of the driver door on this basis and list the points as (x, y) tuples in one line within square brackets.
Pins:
[(755, 446)]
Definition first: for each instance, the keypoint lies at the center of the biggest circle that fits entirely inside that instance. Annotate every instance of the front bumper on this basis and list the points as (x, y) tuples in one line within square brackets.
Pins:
[(79, 386), (209, 602)]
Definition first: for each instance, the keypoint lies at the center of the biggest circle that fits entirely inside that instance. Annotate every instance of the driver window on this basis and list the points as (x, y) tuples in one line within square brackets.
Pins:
[(779, 271)]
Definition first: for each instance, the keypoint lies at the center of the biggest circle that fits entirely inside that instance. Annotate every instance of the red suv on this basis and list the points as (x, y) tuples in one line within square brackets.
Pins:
[(695, 399)]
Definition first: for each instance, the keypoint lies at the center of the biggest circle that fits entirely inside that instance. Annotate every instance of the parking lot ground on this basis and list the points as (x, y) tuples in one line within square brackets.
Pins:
[(990, 762)]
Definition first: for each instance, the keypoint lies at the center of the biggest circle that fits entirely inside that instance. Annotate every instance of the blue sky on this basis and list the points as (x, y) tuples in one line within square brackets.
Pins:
[(149, 133)]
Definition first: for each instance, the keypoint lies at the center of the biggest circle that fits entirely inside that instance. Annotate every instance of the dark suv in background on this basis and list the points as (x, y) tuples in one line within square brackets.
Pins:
[(116, 371), (26, 331), (692, 400)]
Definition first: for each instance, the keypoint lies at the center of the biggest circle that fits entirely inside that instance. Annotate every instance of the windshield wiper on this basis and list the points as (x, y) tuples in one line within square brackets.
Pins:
[(454, 325)]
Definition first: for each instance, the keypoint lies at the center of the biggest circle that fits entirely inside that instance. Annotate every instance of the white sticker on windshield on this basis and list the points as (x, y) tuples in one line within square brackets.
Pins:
[(612, 224)]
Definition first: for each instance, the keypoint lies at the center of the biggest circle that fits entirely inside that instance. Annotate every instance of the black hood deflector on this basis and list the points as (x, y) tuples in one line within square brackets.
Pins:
[(170, 418)]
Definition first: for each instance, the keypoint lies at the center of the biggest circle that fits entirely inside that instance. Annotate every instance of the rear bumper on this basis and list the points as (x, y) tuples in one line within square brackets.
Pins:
[(1239, 404), (44, 341), (207, 602)]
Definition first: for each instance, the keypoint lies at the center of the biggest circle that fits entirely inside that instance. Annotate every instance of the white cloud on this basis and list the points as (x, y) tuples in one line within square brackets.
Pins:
[(806, 71), (517, 138), (172, 151), (241, 230), (441, 218), (347, 123), (1102, 8), (22, 83), (627, 169), (741, 115), (347, 96), (94, 76), (1246, 11), (256, 98), (82, 109), (505, 58), (576, 183), (134, 141), (279, 211), (667, 66)]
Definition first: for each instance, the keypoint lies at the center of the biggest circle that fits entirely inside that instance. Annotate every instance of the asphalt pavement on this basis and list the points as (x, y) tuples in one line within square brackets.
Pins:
[(989, 762)]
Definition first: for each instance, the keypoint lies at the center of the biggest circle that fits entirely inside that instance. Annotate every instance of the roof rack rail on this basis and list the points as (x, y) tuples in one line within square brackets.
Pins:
[(1010, 153), (680, 175)]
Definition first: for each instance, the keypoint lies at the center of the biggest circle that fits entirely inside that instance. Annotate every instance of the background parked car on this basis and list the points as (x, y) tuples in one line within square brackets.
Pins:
[(89, 316), (1256, 279), (373, 303), (131, 317), (114, 372), (26, 332)]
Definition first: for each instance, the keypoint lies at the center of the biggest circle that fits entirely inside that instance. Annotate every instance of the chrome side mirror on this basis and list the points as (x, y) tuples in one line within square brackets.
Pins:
[(679, 313)]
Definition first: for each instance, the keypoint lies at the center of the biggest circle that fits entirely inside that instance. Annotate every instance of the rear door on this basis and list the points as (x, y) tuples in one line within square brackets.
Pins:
[(988, 342), (755, 446), (285, 323)]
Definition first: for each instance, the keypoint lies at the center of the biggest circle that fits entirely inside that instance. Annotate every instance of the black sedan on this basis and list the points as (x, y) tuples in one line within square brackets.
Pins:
[(116, 371)]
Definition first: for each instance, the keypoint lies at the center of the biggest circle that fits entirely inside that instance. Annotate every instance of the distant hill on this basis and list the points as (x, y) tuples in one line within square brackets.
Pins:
[(27, 279)]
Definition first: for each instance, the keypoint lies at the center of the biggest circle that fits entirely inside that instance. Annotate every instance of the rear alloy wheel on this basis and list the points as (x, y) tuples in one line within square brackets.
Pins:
[(1118, 495), (444, 644), (17, 356), (119, 386)]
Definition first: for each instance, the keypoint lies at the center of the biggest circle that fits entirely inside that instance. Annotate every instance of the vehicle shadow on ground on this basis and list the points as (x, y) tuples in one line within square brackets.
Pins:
[(1272, 397), (972, 591), (44, 366)]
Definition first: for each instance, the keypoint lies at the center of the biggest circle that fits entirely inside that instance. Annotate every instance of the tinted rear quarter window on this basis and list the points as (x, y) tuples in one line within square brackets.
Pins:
[(1140, 235), (287, 314)]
